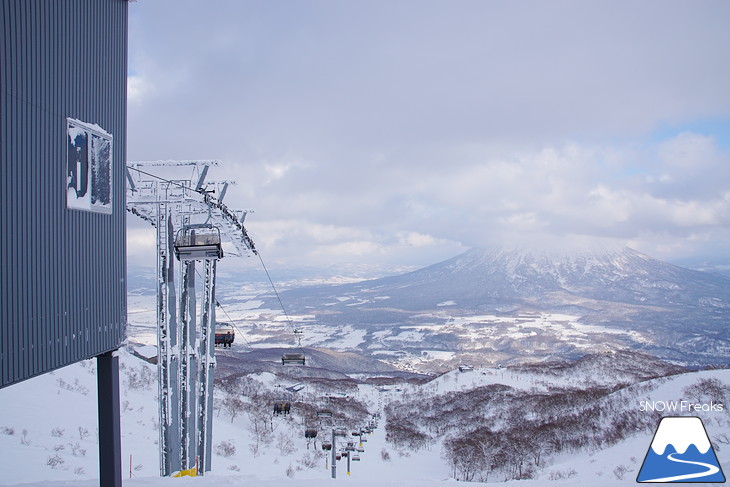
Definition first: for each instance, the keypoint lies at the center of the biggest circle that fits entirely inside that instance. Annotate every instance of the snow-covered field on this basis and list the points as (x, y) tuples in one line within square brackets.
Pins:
[(48, 434), (401, 346)]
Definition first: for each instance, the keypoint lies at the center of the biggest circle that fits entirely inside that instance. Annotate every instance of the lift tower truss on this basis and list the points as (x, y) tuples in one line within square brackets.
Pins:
[(180, 208)]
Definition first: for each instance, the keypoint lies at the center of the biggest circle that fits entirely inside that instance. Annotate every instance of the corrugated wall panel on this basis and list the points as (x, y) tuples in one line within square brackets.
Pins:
[(63, 289)]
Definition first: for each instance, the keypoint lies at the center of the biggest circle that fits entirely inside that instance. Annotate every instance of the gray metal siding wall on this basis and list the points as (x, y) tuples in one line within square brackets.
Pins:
[(63, 289)]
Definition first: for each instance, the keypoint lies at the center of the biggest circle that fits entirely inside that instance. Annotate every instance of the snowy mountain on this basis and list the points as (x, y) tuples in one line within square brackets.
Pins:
[(498, 279), (518, 302)]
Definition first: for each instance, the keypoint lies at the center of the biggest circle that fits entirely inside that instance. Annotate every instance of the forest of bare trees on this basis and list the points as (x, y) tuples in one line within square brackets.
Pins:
[(496, 432)]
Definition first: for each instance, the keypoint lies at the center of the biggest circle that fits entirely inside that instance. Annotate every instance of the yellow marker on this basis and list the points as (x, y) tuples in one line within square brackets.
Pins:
[(191, 472)]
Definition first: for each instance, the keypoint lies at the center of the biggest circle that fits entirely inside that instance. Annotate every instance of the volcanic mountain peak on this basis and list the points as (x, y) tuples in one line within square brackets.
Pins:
[(596, 269), (522, 259), (499, 277)]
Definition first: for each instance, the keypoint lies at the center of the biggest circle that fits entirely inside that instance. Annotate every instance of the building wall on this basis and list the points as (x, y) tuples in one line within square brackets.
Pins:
[(62, 288)]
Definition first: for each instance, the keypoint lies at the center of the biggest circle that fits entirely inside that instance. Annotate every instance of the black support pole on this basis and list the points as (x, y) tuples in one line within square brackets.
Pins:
[(110, 434), (334, 455)]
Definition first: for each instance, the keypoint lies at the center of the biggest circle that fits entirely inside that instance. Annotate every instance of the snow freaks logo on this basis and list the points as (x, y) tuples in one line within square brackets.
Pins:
[(680, 406), (681, 452)]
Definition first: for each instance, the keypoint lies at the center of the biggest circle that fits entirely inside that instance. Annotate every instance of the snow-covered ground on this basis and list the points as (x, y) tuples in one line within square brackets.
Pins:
[(48, 435), (399, 346)]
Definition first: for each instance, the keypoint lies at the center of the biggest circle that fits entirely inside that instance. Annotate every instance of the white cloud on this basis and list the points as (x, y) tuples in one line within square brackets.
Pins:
[(689, 152), (141, 245), (415, 239), (350, 250)]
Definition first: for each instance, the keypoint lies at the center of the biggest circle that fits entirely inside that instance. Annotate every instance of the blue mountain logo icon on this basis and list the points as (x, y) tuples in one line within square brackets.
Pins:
[(681, 452)]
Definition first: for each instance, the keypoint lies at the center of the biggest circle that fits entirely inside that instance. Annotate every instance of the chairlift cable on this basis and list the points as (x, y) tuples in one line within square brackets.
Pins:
[(281, 303), (230, 320)]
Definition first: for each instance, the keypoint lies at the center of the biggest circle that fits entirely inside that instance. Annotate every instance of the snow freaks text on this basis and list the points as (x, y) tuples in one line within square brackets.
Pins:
[(680, 406)]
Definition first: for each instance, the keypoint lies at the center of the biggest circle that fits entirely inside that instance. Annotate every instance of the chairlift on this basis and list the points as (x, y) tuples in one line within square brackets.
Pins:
[(201, 241), (340, 432), (310, 433), (282, 407), (345, 454), (360, 449), (327, 445), (324, 413), (356, 458), (224, 334), (293, 359), (338, 456)]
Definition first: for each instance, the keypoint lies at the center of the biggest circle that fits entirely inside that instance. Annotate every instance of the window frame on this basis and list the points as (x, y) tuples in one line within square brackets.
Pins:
[(86, 202)]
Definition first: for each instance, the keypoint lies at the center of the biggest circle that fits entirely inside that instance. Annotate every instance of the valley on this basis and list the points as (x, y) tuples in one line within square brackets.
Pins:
[(489, 367), (487, 307)]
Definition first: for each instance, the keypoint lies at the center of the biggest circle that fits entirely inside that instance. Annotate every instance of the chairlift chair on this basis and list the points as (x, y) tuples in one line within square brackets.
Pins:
[(310, 433), (224, 334), (293, 359), (324, 413), (201, 241), (327, 445), (282, 407), (356, 458)]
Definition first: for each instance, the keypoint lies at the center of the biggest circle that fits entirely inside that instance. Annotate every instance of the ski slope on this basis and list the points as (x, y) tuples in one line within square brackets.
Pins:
[(48, 435)]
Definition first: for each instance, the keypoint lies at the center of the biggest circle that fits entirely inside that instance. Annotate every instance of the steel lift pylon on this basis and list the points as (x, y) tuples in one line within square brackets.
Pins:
[(180, 209)]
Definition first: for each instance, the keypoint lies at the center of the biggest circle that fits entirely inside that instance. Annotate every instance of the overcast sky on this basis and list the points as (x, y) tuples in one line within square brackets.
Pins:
[(403, 132)]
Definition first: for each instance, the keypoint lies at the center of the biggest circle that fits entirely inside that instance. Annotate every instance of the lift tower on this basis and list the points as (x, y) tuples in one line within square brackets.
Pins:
[(192, 224)]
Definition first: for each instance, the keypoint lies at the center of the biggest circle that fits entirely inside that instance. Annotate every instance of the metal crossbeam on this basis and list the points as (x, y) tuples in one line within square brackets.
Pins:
[(146, 192)]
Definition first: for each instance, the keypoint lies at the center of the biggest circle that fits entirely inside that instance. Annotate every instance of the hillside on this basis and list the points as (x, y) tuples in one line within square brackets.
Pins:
[(604, 433)]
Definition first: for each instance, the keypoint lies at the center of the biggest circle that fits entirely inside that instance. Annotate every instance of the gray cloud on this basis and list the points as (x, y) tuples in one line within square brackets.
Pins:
[(410, 130)]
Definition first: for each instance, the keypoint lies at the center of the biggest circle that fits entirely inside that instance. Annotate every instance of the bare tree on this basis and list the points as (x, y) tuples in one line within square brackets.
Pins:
[(707, 390), (233, 405)]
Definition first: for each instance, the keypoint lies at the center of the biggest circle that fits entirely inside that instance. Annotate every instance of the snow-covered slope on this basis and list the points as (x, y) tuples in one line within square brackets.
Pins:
[(48, 427)]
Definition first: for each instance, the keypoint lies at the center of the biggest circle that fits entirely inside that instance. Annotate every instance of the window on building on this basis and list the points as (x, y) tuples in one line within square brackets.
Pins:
[(89, 167)]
